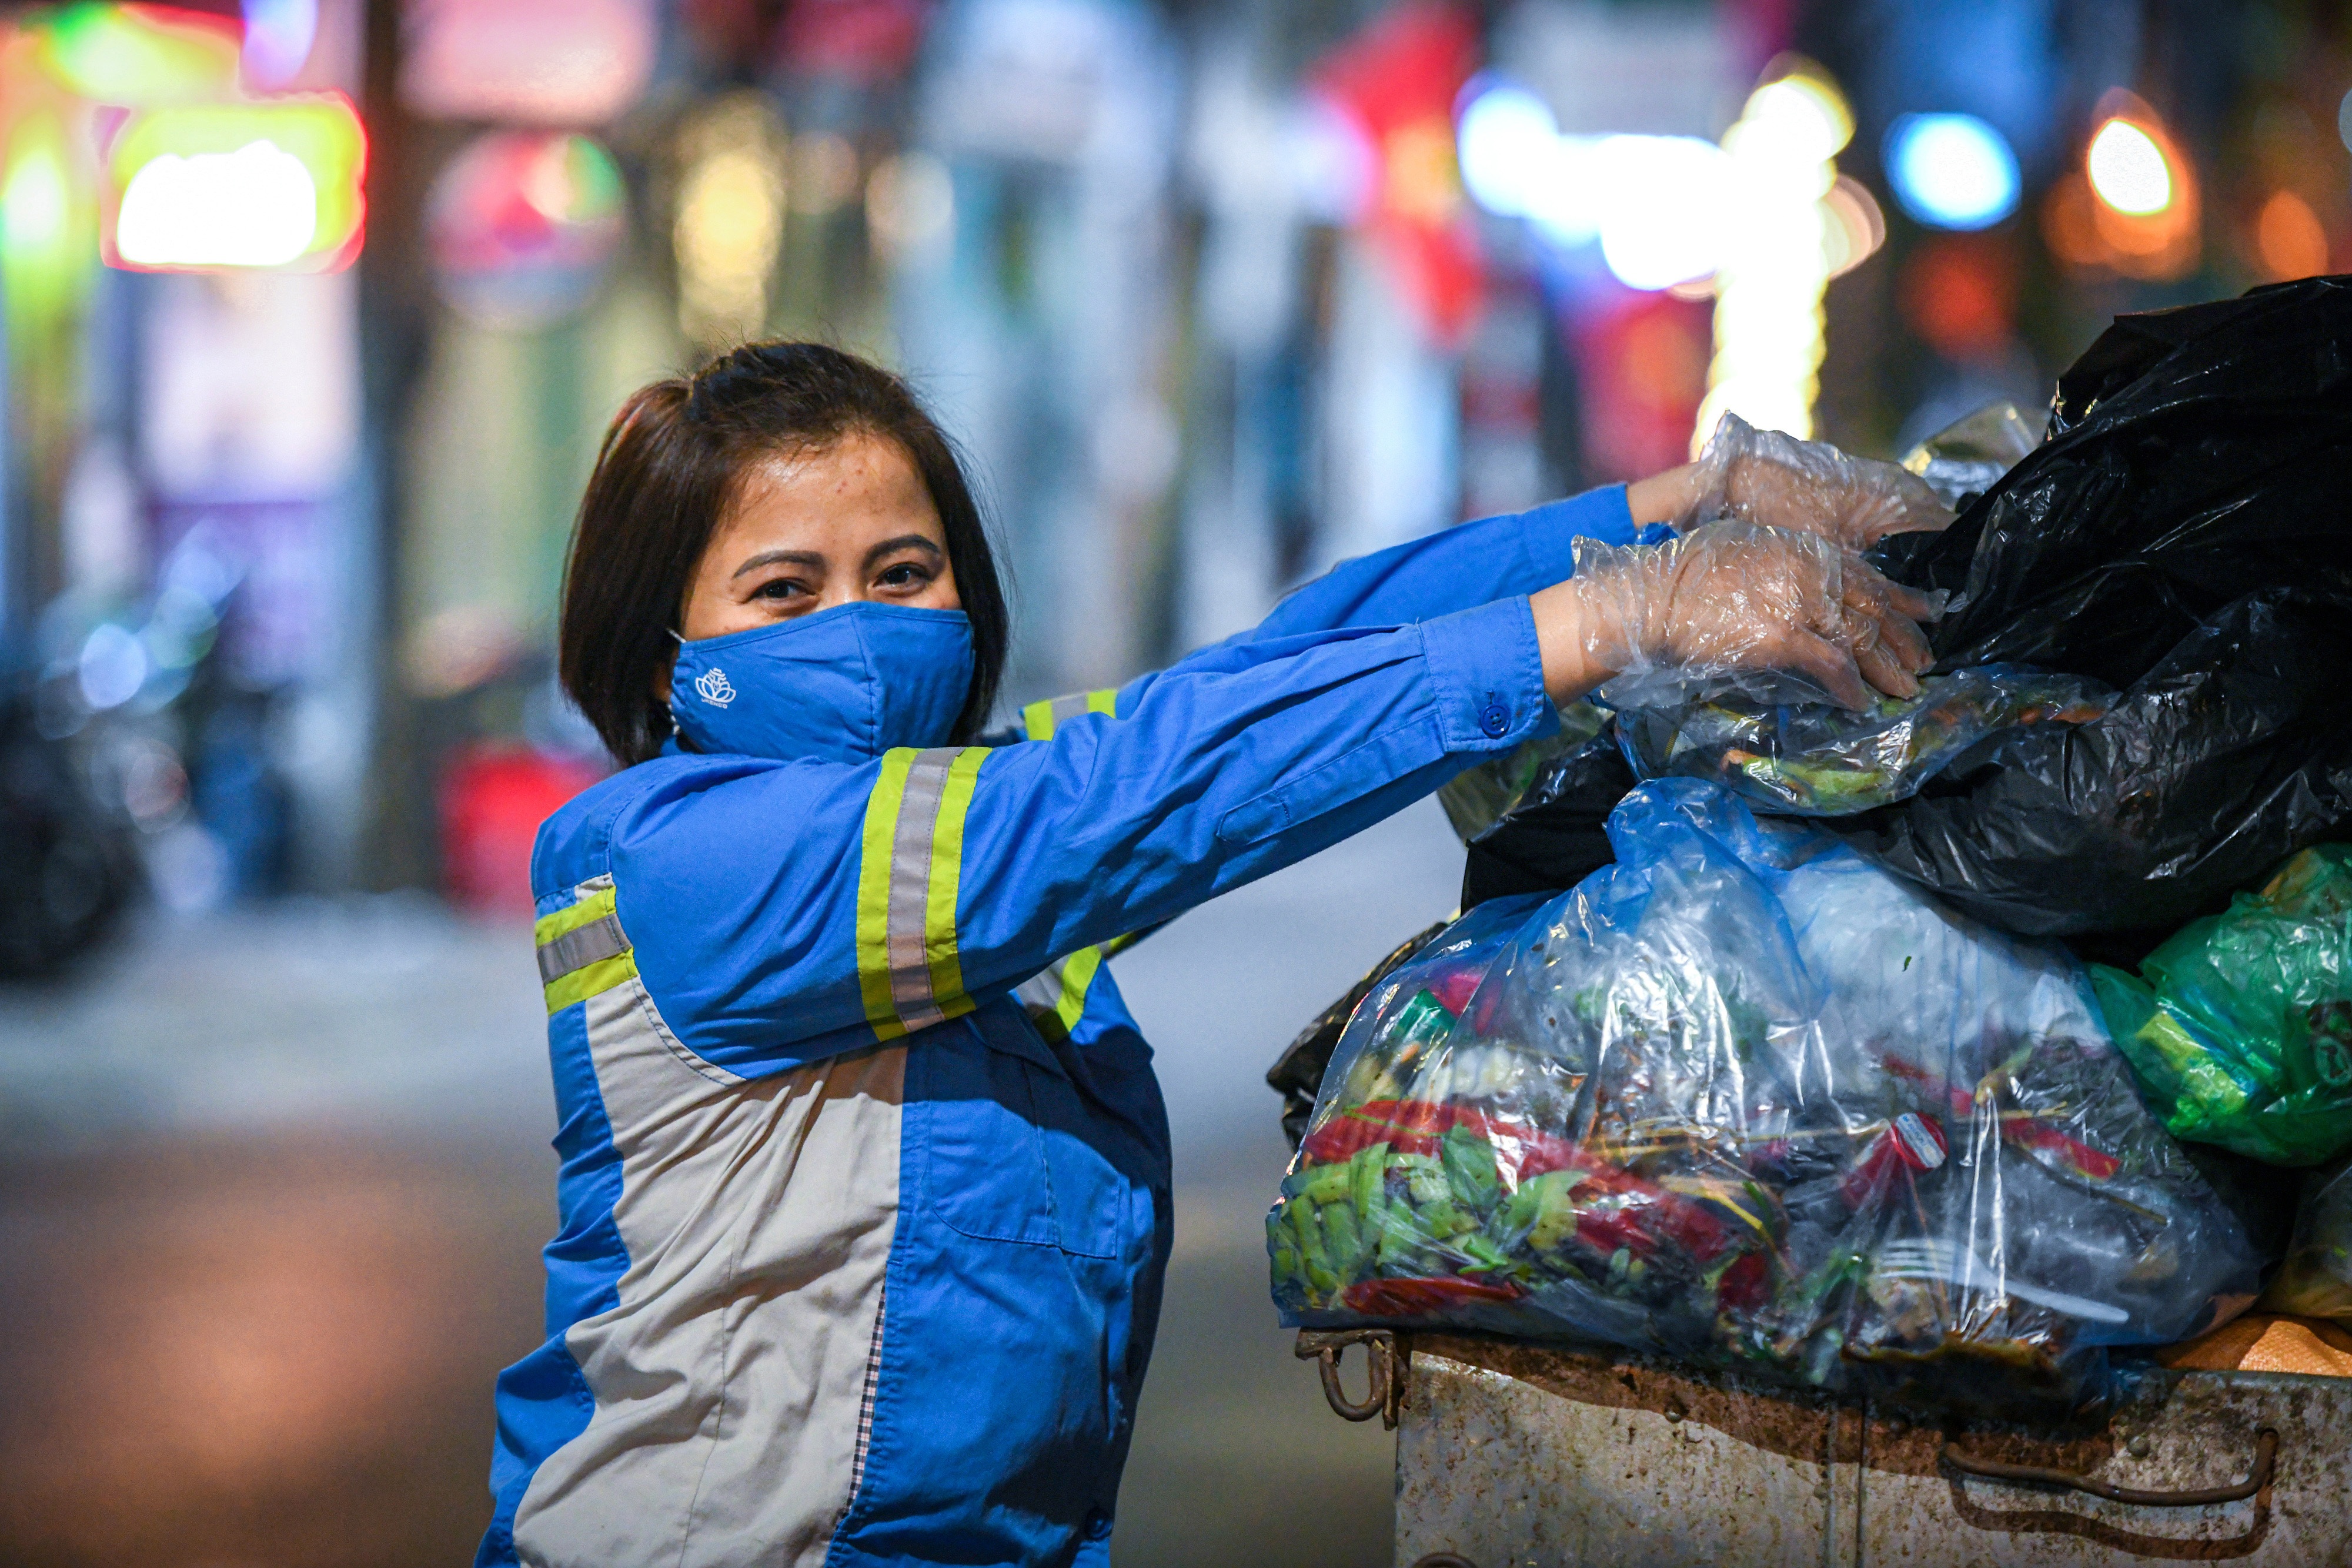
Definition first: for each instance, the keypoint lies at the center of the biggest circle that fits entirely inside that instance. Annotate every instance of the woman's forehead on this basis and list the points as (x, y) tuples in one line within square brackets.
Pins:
[(831, 499)]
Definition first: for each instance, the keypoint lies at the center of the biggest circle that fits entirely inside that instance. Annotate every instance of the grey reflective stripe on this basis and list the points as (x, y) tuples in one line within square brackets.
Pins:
[(1041, 992), (577, 948), (1066, 708), (911, 840)]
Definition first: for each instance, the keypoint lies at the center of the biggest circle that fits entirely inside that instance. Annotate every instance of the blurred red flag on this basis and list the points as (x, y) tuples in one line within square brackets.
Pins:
[(1396, 82)]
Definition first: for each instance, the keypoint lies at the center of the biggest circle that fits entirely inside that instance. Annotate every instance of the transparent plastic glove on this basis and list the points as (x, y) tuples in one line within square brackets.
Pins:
[(1769, 477), (1732, 599)]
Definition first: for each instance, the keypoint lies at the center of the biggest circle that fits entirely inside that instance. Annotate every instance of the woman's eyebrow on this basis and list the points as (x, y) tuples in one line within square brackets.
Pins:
[(904, 541), (779, 557)]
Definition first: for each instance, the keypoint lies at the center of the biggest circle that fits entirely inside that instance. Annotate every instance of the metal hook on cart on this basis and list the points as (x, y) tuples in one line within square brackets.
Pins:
[(1389, 1358)]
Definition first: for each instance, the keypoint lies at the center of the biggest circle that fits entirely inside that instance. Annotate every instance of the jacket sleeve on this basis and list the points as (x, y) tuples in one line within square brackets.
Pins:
[(1442, 573), (784, 912), (1458, 568)]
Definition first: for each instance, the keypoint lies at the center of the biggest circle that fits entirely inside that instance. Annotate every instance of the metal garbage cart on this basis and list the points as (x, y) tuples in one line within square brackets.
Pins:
[(1517, 1456)]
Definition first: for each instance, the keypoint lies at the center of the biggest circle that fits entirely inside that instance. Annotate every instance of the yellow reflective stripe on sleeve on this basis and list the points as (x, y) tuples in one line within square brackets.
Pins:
[(1055, 997), (1077, 978), (909, 972), (947, 876), (582, 983), (572, 916), (582, 950), (1042, 720), (874, 892)]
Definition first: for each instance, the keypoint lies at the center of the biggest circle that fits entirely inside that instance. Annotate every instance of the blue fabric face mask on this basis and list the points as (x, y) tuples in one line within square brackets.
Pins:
[(847, 683)]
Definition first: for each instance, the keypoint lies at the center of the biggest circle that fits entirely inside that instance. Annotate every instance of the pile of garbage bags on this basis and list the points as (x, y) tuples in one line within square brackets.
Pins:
[(1745, 1097), (2178, 546), (1770, 1035)]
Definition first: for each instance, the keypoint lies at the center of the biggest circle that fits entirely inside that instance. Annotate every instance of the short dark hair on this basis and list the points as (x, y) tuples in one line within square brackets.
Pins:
[(666, 473)]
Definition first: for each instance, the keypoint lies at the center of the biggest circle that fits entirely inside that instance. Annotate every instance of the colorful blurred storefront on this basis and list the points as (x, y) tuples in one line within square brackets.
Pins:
[(316, 311)]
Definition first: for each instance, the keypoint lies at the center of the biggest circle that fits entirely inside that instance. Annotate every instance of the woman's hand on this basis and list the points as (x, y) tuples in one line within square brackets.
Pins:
[(1768, 477), (1733, 597)]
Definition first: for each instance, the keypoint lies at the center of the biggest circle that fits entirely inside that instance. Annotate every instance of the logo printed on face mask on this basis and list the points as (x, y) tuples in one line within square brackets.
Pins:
[(713, 686)]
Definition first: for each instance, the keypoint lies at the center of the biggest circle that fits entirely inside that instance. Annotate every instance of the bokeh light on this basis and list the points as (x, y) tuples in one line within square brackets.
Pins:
[(277, 38), (1787, 229), (1958, 295), (1661, 208), (205, 187), (1656, 204), (36, 205), (1857, 226), (257, 207), (2129, 170), (2290, 238), (1508, 147), (731, 217), (2134, 207), (909, 204), (139, 56), (523, 226), (1951, 171)]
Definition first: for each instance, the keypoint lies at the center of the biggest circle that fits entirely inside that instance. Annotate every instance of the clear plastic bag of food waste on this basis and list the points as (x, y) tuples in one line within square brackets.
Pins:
[(1819, 759), (2240, 1025), (2315, 1280), (1743, 1097)]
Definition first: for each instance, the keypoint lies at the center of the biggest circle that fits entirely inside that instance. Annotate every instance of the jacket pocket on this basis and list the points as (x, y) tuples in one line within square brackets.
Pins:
[(1007, 1151)]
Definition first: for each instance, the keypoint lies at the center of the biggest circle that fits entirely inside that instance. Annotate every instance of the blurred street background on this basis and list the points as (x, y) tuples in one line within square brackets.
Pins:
[(313, 311)]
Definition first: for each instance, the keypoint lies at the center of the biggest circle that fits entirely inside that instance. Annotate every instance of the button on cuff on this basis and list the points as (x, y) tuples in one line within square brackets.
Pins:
[(1486, 677)]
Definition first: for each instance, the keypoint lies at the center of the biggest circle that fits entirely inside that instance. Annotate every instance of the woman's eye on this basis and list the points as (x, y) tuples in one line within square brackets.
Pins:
[(779, 588), (906, 574)]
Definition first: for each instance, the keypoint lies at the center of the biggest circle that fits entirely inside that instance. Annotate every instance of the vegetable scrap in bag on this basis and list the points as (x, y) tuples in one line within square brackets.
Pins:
[(1742, 1097), (1819, 760)]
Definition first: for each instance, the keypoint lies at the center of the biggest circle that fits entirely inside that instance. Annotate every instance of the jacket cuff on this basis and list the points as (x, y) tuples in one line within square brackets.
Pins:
[(1486, 677), (1549, 532)]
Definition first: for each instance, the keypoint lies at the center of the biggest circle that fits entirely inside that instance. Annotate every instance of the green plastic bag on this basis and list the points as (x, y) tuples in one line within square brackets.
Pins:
[(2239, 1026)]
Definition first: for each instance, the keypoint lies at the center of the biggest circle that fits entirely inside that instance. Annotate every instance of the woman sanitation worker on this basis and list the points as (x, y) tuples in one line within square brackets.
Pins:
[(865, 1193)]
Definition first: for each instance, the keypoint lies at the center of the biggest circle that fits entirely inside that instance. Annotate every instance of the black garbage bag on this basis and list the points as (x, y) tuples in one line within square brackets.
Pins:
[(2195, 455), (1555, 836), (2234, 752), (2184, 533)]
